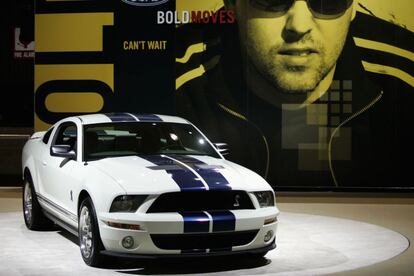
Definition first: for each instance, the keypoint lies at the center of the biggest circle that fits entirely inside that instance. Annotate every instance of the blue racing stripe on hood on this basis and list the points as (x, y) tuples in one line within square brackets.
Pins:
[(195, 222), (185, 179), (148, 117), (120, 117), (214, 179)]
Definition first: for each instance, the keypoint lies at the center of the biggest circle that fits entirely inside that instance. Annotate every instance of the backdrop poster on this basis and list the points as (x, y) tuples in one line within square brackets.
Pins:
[(309, 94)]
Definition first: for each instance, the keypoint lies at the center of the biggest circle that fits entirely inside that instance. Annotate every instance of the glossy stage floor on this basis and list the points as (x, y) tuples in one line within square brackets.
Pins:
[(308, 244)]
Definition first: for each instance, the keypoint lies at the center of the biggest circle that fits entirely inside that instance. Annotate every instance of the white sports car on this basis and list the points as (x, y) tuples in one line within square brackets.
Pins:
[(144, 186)]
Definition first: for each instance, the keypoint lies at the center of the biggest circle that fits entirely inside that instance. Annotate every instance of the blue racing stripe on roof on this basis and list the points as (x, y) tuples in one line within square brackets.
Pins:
[(214, 179), (195, 222), (120, 117), (185, 179), (148, 117), (223, 221)]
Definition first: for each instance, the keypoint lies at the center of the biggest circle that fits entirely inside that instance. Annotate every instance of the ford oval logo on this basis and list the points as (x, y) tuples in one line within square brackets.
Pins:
[(145, 2)]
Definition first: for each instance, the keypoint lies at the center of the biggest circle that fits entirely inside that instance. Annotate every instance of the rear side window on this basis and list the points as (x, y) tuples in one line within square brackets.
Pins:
[(46, 137)]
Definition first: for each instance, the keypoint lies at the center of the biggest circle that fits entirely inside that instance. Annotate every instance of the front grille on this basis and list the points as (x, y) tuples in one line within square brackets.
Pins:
[(203, 241), (201, 201)]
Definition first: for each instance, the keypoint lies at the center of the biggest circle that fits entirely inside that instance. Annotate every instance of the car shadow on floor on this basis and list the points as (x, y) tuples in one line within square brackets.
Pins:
[(189, 265), (67, 235)]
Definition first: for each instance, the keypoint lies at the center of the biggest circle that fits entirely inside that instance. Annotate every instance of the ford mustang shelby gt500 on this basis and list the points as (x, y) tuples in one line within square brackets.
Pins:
[(144, 186)]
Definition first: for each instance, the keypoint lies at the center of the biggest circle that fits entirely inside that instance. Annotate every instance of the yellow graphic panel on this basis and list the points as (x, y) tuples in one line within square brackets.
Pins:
[(71, 32)]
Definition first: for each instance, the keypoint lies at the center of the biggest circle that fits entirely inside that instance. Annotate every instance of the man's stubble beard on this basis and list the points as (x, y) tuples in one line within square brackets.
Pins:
[(294, 79)]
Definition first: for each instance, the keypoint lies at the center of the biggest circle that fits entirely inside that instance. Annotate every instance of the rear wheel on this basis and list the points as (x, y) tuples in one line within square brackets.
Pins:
[(89, 238), (32, 212)]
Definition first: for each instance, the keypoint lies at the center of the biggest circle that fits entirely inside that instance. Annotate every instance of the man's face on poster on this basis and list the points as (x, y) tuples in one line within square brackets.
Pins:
[(294, 49)]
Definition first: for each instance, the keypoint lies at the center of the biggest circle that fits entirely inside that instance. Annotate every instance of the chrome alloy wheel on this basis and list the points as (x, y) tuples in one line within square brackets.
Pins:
[(28, 203), (85, 232)]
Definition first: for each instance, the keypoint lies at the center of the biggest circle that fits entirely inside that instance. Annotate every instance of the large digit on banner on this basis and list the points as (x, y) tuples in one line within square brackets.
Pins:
[(68, 89), (64, 98), (81, 88)]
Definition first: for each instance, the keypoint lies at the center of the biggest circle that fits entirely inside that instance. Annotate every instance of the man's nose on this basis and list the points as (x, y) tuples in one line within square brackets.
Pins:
[(299, 19)]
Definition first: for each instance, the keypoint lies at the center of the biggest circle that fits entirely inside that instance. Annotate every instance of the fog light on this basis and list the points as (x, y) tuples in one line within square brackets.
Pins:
[(128, 242), (268, 236)]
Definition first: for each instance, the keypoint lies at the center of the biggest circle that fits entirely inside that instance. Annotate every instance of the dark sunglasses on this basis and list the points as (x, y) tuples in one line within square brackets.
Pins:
[(324, 9)]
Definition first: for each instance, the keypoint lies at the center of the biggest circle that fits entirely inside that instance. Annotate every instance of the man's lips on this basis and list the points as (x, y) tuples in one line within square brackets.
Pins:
[(300, 52)]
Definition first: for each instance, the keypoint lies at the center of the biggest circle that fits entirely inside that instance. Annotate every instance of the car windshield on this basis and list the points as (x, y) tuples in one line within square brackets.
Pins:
[(143, 138)]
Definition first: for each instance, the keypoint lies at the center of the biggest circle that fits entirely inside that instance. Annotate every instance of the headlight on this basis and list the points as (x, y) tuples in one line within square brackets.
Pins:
[(265, 199), (127, 203)]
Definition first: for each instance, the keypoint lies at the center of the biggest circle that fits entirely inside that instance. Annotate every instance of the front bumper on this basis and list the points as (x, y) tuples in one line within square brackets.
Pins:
[(262, 250), (171, 225)]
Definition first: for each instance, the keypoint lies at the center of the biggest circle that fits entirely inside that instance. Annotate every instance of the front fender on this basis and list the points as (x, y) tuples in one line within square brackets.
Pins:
[(101, 188)]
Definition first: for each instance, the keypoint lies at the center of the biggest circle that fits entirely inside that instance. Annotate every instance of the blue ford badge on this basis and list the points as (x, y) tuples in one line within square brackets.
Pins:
[(145, 2)]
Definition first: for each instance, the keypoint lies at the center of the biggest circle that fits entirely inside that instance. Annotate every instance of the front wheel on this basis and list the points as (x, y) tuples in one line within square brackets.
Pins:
[(32, 212), (89, 238)]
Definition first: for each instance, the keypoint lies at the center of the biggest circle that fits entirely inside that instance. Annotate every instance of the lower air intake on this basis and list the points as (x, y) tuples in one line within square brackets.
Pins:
[(203, 241)]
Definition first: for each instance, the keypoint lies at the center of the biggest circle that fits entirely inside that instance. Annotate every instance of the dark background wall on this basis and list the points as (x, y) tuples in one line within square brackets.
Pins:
[(16, 74), (16, 86)]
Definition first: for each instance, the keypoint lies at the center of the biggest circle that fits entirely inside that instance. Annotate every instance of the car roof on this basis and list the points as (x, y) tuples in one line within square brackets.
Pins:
[(128, 117)]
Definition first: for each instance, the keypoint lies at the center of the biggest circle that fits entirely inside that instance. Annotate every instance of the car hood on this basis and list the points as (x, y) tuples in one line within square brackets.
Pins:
[(156, 174)]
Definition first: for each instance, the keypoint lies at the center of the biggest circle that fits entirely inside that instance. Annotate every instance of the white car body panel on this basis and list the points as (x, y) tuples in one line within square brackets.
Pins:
[(127, 170), (59, 184)]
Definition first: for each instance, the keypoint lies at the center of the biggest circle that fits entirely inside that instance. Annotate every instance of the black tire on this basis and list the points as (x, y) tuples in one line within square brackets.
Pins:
[(90, 254), (258, 255), (252, 256), (32, 212)]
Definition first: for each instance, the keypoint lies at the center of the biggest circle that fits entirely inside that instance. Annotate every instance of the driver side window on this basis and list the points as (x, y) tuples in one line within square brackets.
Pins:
[(67, 135)]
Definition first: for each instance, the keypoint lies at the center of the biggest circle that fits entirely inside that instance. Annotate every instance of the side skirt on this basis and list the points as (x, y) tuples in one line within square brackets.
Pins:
[(61, 223), (71, 228)]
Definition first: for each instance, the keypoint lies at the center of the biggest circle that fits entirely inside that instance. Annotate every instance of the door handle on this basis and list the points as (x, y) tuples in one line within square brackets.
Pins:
[(44, 163)]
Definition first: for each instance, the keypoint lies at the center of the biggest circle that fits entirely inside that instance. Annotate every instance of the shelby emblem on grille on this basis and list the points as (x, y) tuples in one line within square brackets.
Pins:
[(236, 201)]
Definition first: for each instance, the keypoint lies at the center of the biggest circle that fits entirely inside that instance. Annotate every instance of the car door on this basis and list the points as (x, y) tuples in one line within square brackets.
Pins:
[(58, 174)]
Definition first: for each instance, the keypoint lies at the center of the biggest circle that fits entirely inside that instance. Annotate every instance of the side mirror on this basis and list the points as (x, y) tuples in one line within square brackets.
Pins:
[(223, 148), (63, 151)]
